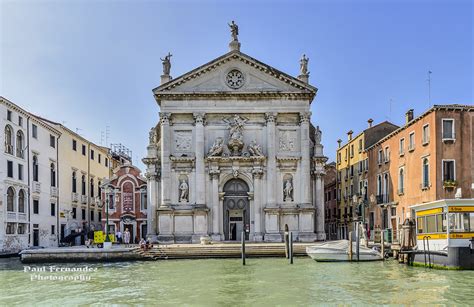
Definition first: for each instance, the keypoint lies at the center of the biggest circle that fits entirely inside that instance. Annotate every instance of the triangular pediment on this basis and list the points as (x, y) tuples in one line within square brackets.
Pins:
[(234, 74)]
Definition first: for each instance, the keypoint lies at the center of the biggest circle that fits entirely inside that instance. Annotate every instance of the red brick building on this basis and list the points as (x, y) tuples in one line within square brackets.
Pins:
[(330, 202), (125, 195)]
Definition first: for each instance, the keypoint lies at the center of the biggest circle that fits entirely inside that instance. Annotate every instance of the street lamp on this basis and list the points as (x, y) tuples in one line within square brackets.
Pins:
[(108, 191)]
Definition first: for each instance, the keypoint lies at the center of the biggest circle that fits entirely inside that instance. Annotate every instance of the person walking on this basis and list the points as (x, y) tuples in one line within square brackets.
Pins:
[(118, 235), (126, 237)]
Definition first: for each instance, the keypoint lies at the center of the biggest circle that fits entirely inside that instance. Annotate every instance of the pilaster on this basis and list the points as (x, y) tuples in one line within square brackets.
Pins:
[(271, 159), (200, 191), (165, 159)]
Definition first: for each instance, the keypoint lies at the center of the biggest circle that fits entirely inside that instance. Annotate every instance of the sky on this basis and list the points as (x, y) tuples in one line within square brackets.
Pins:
[(93, 64)]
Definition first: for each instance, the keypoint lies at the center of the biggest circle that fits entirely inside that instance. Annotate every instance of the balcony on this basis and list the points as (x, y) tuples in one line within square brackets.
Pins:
[(11, 216), (382, 199), (36, 187), (22, 217), (83, 199), (75, 197), (450, 184), (54, 192)]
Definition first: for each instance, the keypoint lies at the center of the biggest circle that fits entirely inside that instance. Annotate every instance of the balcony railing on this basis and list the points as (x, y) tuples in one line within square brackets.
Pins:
[(382, 199), (83, 199), (22, 217), (36, 187), (11, 216), (9, 149), (75, 197), (54, 192)]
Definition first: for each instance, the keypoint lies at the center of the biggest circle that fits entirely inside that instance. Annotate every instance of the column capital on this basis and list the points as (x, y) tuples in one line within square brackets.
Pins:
[(214, 173), (270, 117), (165, 118), (305, 117), (199, 118), (257, 173)]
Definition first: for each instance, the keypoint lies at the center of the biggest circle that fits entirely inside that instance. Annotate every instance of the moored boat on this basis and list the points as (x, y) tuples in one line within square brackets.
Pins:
[(339, 251)]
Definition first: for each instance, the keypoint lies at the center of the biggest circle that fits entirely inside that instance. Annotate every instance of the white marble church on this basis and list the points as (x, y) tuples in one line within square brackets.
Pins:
[(234, 151)]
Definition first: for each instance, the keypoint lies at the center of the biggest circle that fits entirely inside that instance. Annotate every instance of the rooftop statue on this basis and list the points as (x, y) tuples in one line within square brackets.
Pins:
[(166, 64), (304, 65), (317, 135), (234, 30)]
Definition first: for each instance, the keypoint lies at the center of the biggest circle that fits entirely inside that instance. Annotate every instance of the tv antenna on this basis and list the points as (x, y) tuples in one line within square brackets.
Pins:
[(429, 87)]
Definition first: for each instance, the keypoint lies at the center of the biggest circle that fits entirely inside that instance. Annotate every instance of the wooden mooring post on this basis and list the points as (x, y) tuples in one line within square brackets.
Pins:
[(382, 244), (243, 247), (350, 245), (286, 240), (290, 249), (357, 241)]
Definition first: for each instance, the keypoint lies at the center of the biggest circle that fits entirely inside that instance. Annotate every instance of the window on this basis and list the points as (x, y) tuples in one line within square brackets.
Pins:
[(10, 199), (411, 141), (53, 209), (52, 141), (9, 140), (380, 157), (143, 199), (426, 134), (83, 185), (426, 173), (99, 190), (83, 150), (74, 182), (35, 206), (401, 181), (52, 230), (379, 185), (461, 222), (20, 121), (21, 201), (402, 147), (345, 154), (21, 230), (9, 115), (53, 175), (35, 168), (34, 131), (92, 154), (360, 145), (10, 230), (100, 216), (448, 129), (74, 145), (20, 144), (387, 155), (92, 188), (99, 158), (434, 223), (74, 213), (83, 213), (352, 150), (92, 215), (9, 169), (106, 162), (449, 170)]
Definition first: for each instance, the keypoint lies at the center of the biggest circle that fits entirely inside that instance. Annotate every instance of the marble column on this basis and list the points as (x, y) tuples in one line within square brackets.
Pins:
[(165, 159), (257, 203), (271, 159), (200, 190), (320, 230), (305, 159), (152, 197), (214, 173)]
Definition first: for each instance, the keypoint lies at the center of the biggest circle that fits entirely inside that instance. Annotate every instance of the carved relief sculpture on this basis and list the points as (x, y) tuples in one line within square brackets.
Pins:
[(183, 140), (217, 148), (236, 135), (288, 191), (254, 149), (287, 140), (183, 191)]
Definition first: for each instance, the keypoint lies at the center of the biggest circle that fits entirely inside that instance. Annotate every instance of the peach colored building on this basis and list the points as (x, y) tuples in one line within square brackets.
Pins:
[(427, 159)]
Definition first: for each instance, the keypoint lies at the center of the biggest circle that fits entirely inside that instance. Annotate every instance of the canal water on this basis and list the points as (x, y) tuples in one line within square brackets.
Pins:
[(262, 282)]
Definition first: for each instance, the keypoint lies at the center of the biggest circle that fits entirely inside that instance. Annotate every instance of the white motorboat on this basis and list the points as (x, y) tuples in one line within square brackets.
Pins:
[(339, 251)]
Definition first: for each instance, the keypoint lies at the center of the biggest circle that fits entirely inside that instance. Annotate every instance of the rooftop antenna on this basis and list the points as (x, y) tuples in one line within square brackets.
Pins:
[(102, 138), (429, 87), (107, 135), (77, 130)]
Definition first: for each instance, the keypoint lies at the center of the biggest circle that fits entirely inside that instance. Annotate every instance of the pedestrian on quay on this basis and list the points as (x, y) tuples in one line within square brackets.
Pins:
[(118, 235), (126, 237)]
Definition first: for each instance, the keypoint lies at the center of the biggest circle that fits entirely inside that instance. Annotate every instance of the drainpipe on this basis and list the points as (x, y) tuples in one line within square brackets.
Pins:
[(88, 213), (29, 180), (58, 228)]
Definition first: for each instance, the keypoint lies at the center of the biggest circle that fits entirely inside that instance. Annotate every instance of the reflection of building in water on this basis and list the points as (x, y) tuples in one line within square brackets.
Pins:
[(235, 150)]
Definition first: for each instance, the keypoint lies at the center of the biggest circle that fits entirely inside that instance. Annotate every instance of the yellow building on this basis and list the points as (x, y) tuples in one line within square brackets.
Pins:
[(352, 173), (83, 166)]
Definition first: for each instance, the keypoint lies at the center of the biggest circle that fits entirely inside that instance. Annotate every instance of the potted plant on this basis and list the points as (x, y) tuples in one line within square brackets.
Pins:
[(450, 183)]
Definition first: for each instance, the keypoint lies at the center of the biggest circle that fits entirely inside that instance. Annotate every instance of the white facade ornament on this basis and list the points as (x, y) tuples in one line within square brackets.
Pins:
[(217, 148), (183, 140), (236, 134), (288, 191), (183, 191), (287, 140), (166, 64), (254, 149), (235, 79)]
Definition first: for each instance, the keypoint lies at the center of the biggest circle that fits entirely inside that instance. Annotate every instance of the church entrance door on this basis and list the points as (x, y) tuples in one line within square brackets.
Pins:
[(236, 210)]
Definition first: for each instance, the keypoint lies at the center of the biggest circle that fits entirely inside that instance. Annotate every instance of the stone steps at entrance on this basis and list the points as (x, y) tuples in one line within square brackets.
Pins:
[(195, 251)]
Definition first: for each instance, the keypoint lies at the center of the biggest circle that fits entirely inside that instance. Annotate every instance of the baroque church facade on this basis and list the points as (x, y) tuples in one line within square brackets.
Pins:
[(234, 153)]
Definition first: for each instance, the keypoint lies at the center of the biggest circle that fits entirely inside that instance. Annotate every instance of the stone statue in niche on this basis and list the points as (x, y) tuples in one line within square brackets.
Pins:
[(254, 149), (217, 148), (183, 191), (166, 64), (288, 191)]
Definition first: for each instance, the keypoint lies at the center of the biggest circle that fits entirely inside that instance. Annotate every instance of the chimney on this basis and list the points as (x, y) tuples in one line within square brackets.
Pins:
[(370, 121), (349, 135), (339, 143), (409, 116)]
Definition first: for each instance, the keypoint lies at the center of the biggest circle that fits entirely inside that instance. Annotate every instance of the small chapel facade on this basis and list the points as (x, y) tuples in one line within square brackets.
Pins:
[(234, 153)]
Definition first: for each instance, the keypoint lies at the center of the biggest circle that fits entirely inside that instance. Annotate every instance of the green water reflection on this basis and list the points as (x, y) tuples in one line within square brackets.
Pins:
[(262, 282)]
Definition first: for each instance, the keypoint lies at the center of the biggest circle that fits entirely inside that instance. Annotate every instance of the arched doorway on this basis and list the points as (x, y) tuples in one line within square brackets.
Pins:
[(236, 210)]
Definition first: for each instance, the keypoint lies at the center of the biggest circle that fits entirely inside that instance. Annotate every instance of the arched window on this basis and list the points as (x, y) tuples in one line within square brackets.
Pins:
[(10, 199), (9, 140), (35, 168), (74, 182), (92, 187), (53, 175), (21, 201), (401, 181), (83, 185), (426, 173), (19, 144)]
